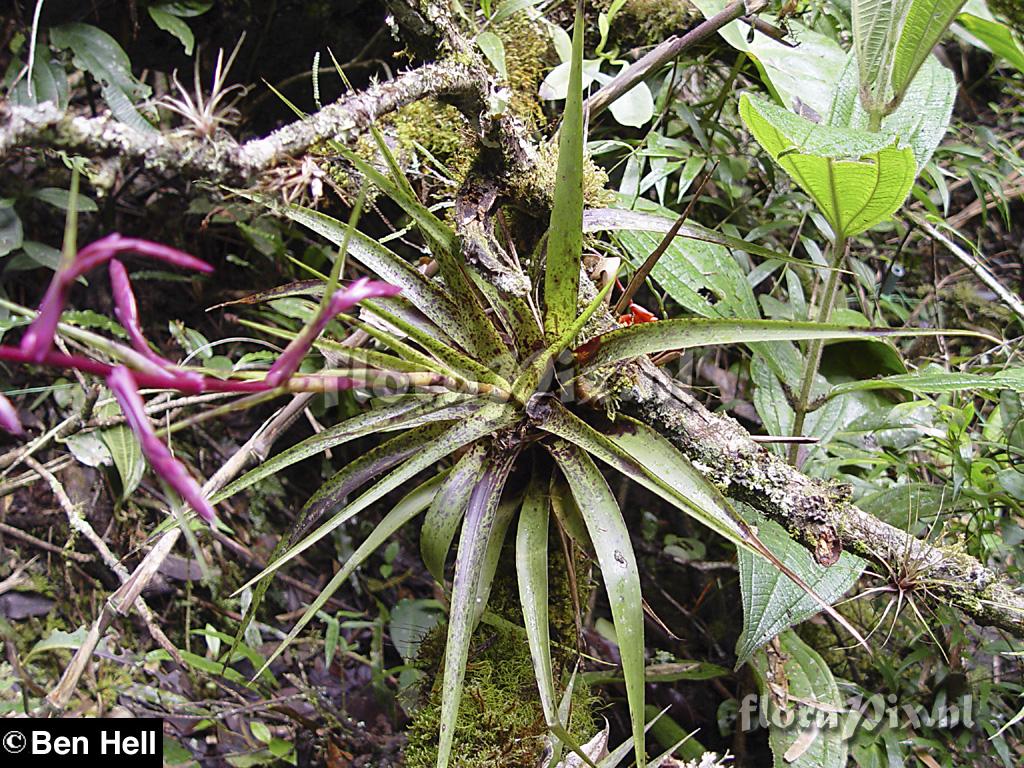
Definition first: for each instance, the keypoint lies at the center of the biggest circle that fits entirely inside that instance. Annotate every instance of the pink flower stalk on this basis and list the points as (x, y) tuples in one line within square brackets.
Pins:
[(38, 339), (122, 383), (290, 360), (9, 420), (127, 312)]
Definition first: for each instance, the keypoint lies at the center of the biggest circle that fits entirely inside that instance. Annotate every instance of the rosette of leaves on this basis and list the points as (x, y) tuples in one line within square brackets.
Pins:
[(522, 457)]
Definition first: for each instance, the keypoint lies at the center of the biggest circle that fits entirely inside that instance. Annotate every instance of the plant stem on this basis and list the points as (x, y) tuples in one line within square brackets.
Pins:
[(816, 346)]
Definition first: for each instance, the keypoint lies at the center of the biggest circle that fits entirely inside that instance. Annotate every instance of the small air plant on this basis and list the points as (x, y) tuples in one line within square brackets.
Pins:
[(206, 115), (149, 368)]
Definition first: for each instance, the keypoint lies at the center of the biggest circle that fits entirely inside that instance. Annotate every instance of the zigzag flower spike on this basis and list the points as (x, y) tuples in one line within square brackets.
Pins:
[(38, 339), (346, 298), (122, 384)]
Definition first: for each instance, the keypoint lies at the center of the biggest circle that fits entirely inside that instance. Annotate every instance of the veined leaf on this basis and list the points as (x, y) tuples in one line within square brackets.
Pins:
[(478, 528), (447, 509), (565, 236), (771, 602), (406, 413), (938, 382), (996, 36), (623, 220), (126, 452), (925, 23), (876, 24), (804, 80), (98, 53), (610, 539), (812, 690), (687, 333), (404, 511), (920, 121), (857, 179)]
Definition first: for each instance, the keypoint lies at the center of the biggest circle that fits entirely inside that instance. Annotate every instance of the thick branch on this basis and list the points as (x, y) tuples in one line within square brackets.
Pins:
[(222, 159), (818, 513)]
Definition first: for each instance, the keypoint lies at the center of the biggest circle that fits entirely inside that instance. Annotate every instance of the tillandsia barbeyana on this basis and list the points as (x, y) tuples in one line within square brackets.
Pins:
[(141, 366)]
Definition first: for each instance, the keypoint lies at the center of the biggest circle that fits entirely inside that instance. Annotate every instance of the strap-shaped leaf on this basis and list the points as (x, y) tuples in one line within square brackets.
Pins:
[(477, 531), (445, 513), (406, 413), (857, 178), (404, 511), (426, 445), (518, 317), (565, 235), (503, 517), (532, 573), (451, 357), (687, 333), (427, 295), (357, 473), (771, 602), (610, 540), (934, 382), (444, 246), (642, 454), (925, 24), (526, 383)]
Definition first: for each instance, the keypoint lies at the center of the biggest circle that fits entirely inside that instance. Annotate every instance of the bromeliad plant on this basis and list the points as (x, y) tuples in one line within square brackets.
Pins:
[(509, 427), (483, 395)]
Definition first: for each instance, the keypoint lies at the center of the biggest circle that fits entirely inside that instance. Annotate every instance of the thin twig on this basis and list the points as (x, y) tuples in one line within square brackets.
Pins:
[(641, 274), (974, 264), (663, 54)]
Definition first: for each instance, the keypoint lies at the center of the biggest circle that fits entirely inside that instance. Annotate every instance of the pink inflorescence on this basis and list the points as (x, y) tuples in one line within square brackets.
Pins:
[(38, 339), (289, 361), (9, 420), (153, 370)]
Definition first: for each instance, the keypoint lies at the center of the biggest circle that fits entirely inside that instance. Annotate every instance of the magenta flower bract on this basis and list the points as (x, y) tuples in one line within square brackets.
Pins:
[(38, 339), (122, 384), (9, 420), (290, 360)]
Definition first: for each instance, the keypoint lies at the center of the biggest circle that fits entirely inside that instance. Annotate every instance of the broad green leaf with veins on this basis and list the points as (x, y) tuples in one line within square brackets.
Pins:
[(857, 179), (920, 121), (926, 22), (811, 691), (771, 602)]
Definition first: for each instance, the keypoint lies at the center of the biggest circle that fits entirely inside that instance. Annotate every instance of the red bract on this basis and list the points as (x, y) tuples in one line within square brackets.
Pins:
[(9, 420), (122, 384), (289, 361), (154, 370), (38, 339)]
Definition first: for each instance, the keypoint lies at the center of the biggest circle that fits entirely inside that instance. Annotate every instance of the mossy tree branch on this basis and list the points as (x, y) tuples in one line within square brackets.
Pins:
[(222, 159)]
